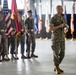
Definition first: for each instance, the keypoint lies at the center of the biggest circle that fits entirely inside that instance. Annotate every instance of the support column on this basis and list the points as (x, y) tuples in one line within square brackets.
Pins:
[(62, 3), (0, 2), (50, 6), (0, 5)]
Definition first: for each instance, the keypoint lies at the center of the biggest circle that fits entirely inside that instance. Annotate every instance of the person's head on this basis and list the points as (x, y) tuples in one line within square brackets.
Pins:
[(59, 9), (30, 13)]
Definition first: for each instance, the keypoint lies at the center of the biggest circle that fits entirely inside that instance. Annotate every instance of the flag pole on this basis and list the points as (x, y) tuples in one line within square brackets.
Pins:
[(46, 36), (40, 20), (47, 22), (72, 21), (72, 37), (65, 37), (16, 48)]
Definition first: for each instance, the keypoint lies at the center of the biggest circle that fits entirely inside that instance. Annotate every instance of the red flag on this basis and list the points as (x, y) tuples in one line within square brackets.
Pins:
[(72, 19), (15, 15)]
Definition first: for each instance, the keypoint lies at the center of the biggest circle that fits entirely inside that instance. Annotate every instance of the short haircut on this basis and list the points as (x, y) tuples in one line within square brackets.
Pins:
[(58, 6)]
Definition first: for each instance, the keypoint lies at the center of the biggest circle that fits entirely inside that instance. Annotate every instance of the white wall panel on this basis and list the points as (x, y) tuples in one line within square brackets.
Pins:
[(44, 6), (20, 5)]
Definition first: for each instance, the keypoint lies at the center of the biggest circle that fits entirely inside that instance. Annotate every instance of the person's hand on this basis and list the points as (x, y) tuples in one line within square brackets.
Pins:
[(62, 25), (67, 27), (29, 34), (65, 30)]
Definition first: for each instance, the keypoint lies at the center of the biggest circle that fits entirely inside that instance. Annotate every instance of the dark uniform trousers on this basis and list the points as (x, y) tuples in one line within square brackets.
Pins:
[(3, 27), (3, 44), (21, 40), (22, 44), (11, 43), (30, 42)]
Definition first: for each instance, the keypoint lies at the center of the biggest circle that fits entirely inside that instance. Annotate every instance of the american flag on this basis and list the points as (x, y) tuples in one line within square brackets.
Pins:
[(7, 19)]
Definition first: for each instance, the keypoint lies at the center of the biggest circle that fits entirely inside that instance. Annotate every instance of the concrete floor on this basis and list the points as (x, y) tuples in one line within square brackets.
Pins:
[(44, 64)]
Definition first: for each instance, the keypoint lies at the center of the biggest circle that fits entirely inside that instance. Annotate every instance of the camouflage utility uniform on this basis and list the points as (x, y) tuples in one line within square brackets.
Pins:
[(30, 39), (21, 37), (11, 39), (3, 27), (58, 39)]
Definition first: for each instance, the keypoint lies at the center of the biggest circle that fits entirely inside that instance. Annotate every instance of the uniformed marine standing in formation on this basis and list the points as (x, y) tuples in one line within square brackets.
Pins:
[(11, 41), (3, 28), (21, 38), (28, 28), (30, 36), (57, 24)]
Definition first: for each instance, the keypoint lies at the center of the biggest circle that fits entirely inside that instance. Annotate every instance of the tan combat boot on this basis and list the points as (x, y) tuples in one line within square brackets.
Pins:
[(58, 70)]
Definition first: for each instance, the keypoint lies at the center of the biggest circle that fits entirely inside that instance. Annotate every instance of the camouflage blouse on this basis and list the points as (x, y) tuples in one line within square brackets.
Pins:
[(29, 23), (58, 34)]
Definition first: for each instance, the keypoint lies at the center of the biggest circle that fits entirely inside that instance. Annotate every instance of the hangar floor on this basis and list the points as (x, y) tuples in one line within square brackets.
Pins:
[(43, 65)]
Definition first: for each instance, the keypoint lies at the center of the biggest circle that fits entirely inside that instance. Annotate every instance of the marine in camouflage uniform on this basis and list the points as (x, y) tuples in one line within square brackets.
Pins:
[(30, 36), (11, 40), (58, 40), (58, 23), (21, 38), (3, 28)]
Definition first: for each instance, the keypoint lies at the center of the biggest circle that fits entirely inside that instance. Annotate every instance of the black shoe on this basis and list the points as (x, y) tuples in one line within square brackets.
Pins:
[(23, 57), (28, 56), (7, 59), (16, 58), (3, 59), (33, 55), (12, 58)]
